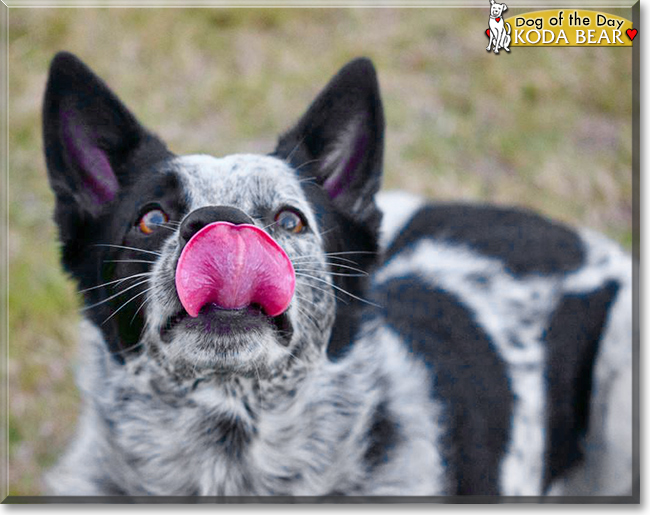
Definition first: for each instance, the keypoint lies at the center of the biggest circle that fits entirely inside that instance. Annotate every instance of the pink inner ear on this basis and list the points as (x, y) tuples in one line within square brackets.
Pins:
[(341, 180), (98, 177)]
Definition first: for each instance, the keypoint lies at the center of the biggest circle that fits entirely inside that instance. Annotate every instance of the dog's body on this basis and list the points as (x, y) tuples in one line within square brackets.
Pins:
[(488, 351), (499, 29)]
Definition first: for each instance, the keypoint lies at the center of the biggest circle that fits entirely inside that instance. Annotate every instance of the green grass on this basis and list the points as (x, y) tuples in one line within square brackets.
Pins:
[(545, 128)]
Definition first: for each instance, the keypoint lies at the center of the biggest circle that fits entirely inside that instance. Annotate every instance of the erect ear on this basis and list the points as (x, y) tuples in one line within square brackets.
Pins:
[(339, 140), (90, 139)]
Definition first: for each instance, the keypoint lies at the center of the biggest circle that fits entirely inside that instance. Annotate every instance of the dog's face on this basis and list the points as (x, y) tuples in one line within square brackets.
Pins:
[(497, 9), (194, 259), (262, 191)]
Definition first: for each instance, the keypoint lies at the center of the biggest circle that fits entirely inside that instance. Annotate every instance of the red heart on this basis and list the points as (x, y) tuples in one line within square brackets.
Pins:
[(631, 33), (487, 31), (498, 20)]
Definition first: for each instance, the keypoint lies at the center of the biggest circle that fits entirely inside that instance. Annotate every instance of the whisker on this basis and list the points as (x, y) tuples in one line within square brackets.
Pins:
[(115, 295), (301, 259), (303, 310), (270, 225), (322, 289), (165, 226), (127, 349), (340, 289), (350, 252), (300, 142), (168, 224), (292, 355), (308, 317), (127, 302), (305, 299), (128, 248), (127, 261), (362, 274), (330, 256), (116, 281), (321, 234), (346, 267), (332, 264), (138, 310), (307, 179)]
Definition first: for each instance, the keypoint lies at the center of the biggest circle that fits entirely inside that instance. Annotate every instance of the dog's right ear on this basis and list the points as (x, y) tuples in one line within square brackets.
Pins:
[(90, 140)]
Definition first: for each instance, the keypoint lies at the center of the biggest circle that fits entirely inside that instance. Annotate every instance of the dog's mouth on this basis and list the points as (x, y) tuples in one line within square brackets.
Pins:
[(219, 323), (234, 284)]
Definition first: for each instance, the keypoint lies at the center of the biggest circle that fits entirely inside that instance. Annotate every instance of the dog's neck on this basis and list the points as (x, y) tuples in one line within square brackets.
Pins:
[(303, 434), (250, 423)]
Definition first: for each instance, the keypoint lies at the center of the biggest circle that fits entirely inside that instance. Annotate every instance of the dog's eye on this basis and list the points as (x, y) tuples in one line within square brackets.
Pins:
[(151, 220), (290, 221)]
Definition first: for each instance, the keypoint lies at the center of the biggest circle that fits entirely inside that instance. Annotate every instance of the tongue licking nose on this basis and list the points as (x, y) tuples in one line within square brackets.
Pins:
[(234, 266)]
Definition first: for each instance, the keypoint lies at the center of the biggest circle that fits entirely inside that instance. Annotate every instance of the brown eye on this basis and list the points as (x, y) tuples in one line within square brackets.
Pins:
[(290, 221), (151, 220)]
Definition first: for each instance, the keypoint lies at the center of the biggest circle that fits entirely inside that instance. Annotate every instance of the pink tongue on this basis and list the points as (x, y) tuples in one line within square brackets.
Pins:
[(234, 266)]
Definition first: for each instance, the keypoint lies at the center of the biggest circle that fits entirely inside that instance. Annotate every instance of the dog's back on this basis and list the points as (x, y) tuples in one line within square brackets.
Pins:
[(526, 328)]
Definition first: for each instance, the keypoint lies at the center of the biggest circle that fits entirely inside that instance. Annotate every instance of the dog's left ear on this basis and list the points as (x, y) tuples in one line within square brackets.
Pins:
[(339, 141), (91, 140), (505, 7)]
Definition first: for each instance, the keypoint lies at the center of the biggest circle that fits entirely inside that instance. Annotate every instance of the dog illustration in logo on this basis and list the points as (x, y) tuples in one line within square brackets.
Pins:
[(499, 30)]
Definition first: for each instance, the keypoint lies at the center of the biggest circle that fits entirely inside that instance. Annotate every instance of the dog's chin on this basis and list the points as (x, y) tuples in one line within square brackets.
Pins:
[(225, 340)]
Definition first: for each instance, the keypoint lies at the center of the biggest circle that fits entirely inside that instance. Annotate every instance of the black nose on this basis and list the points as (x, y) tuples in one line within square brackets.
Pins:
[(203, 216)]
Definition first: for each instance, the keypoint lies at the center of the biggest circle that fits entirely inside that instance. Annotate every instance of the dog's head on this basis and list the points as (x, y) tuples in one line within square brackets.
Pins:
[(497, 9), (230, 265)]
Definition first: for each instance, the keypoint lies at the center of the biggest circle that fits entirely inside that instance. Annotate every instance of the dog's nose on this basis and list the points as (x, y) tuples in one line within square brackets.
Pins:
[(203, 216)]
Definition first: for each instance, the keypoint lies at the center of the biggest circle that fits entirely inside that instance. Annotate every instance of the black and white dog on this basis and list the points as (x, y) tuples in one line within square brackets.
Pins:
[(255, 328)]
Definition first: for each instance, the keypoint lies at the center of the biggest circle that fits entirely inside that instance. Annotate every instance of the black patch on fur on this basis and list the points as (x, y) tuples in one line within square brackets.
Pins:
[(469, 378), (573, 338), (341, 233), (92, 260), (106, 171), (230, 432), (382, 436), (526, 242)]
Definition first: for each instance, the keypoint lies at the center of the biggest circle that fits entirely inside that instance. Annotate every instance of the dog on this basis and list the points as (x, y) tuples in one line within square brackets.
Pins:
[(499, 30), (273, 325)]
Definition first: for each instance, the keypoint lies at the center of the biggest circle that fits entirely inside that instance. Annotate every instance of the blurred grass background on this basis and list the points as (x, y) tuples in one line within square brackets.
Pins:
[(545, 128)]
